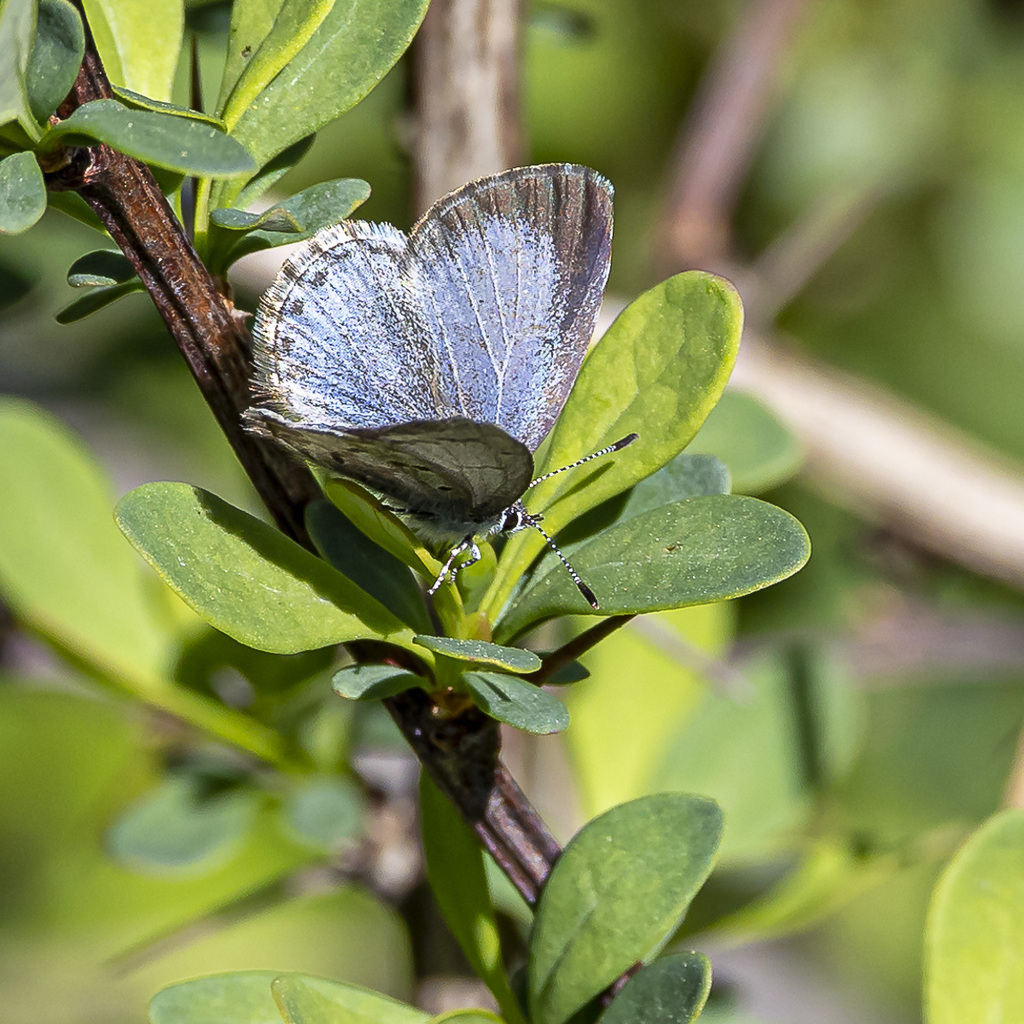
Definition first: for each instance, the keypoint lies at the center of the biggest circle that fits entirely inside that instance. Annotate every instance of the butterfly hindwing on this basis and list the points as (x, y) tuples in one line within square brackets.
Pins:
[(454, 470)]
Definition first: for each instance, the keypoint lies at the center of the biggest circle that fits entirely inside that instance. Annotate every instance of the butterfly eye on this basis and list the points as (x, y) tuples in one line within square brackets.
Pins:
[(512, 519)]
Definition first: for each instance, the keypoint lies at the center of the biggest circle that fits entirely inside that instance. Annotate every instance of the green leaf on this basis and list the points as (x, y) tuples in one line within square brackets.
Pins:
[(325, 812), (511, 659), (306, 1000), (100, 268), (139, 42), (458, 879), (974, 939), (235, 233), (467, 1017), (295, 22), (17, 30), (56, 56), (174, 829), (658, 371), (95, 300), (759, 450), (246, 578), (22, 193), (692, 552), (64, 570), (241, 997), (619, 889), (271, 173), (672, 990), (348, 54), (686, 476), (136, 101), (73, 205), (517, 702), (366, 564), (373, 682), (165, 140)]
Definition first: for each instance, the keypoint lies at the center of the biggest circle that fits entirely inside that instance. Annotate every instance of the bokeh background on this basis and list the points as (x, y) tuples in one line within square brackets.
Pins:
[(856, 721)]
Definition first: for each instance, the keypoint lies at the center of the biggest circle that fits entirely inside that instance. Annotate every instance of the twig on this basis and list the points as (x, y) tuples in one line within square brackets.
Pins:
[(722, 129), (569, 652), (895, 463), (467, 94)]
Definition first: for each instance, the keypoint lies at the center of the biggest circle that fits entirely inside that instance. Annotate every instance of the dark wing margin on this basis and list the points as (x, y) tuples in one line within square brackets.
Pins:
[(512, 269)]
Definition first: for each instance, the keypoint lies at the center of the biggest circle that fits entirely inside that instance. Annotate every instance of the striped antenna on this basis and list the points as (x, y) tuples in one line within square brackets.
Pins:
[(534, 521), (617, 446)]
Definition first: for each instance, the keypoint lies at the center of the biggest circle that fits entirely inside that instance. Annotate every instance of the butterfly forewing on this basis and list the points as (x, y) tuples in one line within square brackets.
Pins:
[(340, 338), (511, 270)]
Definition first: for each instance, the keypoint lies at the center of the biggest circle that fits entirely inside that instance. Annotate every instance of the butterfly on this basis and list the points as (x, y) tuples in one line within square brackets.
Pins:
[(428, 367)]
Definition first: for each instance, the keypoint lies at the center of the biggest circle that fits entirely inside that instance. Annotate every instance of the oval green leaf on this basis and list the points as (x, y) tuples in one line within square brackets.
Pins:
[(517, 702), (96, 299), (22, 193), (758, 448), (56, 56), (974, 939), (672, 990), (174, 830), (349, 53), (241, 997), (246, 578), (658, 371), (17, 30), (458, 879), (693, 552), (139, 42), (235, 233), (306, 1000), (511, 659), (294, 23), (618, 891), (366, 564), (64, 570), (179, 144), (325, 812), (100, 268), (373, 682)]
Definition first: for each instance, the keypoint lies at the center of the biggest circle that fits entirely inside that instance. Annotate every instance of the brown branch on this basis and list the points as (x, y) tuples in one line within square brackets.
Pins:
[(461, 753), (212, 338), (721, 132), (467, 94), (569, 652)]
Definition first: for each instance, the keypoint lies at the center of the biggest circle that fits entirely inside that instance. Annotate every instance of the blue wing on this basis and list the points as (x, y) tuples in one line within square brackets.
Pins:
[(510, 270), (340, 339), (484, 312)]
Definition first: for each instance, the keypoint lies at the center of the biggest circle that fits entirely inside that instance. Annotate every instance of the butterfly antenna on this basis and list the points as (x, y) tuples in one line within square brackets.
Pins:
[(620, 444), (580, 585)]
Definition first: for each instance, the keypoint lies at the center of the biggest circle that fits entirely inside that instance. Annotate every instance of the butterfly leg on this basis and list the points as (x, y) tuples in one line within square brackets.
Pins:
[(452, 555)]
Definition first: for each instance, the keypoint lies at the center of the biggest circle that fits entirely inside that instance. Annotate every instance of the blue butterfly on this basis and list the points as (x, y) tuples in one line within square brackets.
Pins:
[(429, 366)]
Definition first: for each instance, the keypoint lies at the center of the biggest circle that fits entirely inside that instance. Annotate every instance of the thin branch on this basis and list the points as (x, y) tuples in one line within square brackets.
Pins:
[(722, 129), (467, 94), (575, 648)]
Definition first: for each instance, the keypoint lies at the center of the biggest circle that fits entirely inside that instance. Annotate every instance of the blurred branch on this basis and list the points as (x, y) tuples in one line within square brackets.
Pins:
[(872, 450), (467, 94), (893, 462), (723, 126)]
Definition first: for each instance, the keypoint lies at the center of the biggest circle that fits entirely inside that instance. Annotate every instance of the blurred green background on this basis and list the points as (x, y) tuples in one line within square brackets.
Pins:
[(852, 741)]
